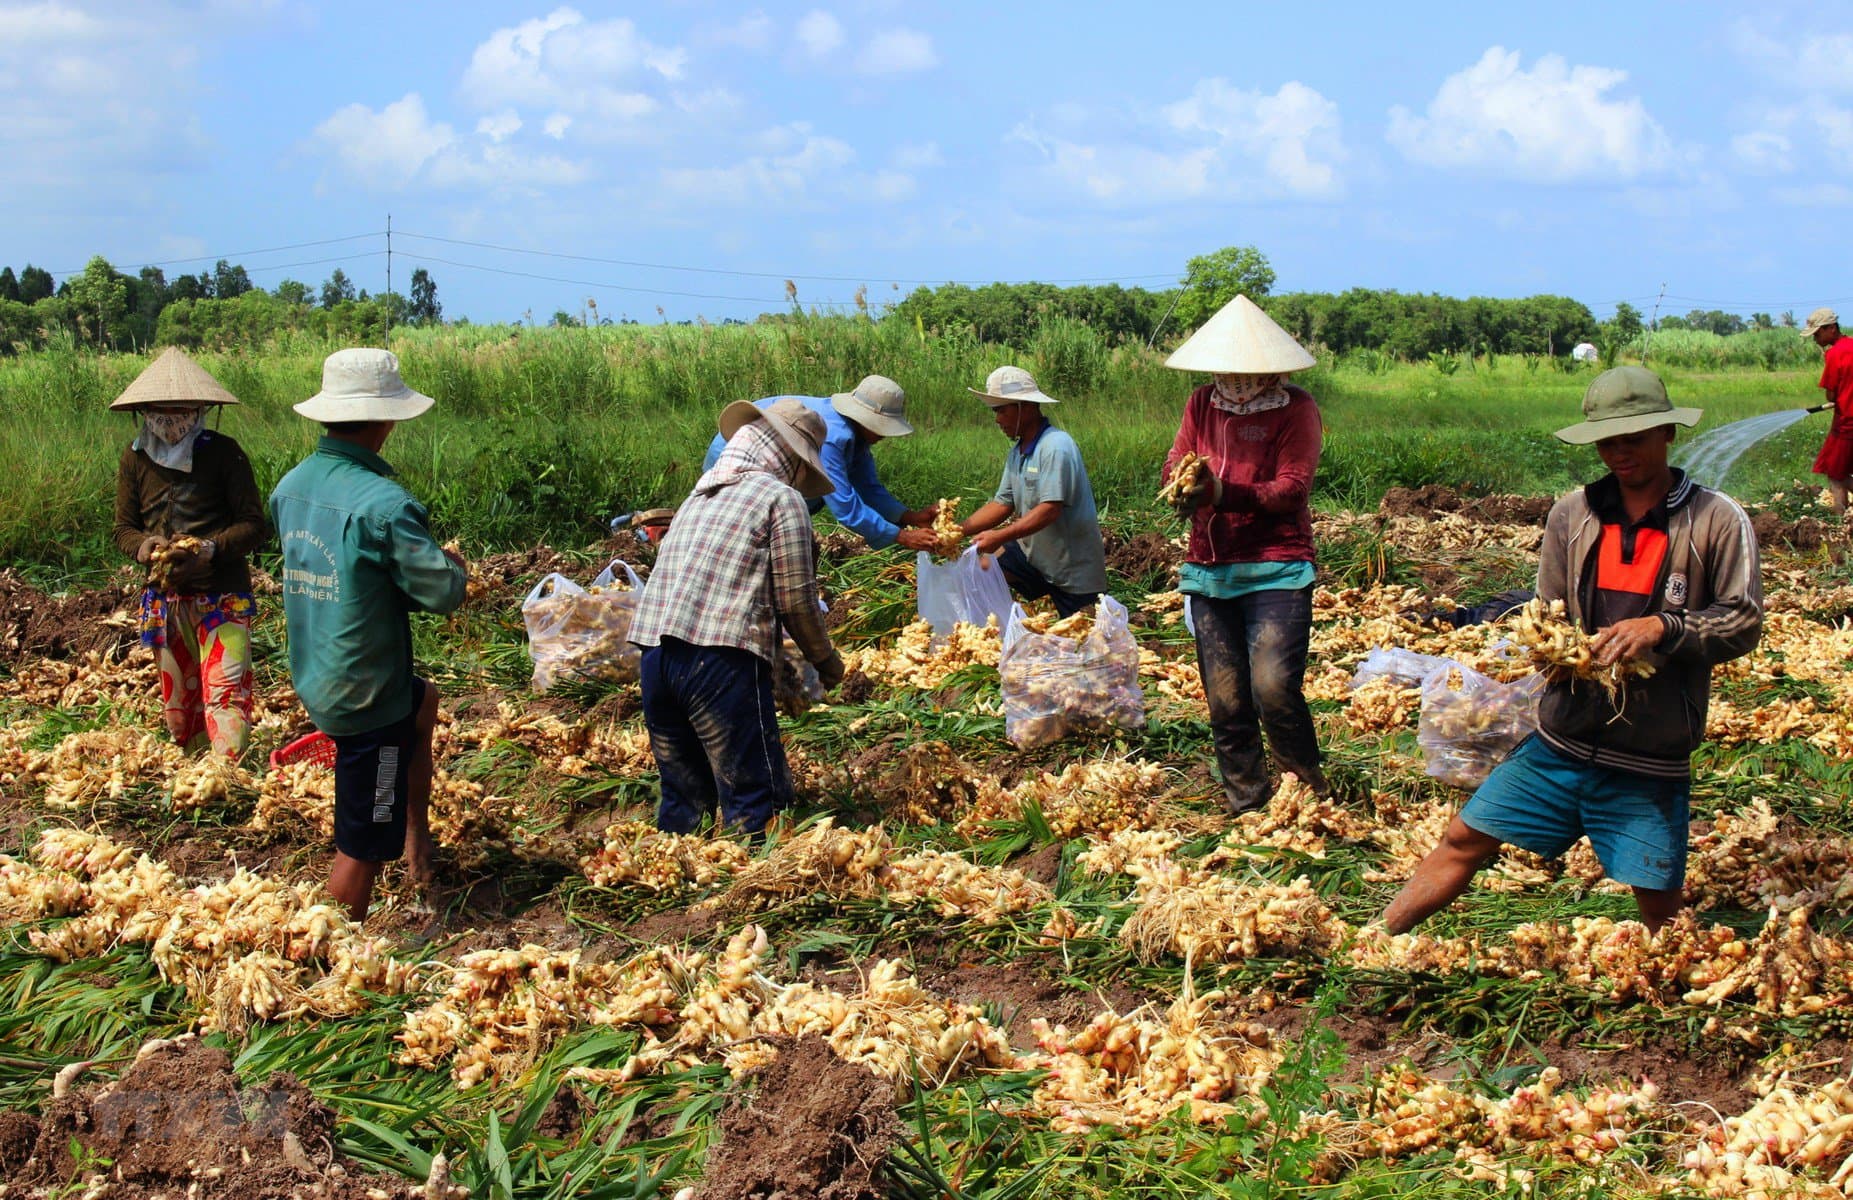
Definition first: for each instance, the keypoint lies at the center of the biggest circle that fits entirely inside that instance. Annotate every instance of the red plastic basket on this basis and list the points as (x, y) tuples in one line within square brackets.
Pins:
[(317, 748)]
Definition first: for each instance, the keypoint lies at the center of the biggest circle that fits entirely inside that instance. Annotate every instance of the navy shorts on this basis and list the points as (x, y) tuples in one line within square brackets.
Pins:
[(1542, 801), (1031, 584), (371, 774)]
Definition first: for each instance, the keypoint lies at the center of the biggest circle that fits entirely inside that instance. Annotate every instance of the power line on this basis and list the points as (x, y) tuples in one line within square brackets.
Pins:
[(229, 255), (623, 262), (615, 287)]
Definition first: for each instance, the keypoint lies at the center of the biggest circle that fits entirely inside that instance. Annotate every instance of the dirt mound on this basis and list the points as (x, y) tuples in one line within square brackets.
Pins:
[(35, 625), (178, 1123), (507, 578), (1807, 533), (816, 1127), (1433, 498), (1149, 559)]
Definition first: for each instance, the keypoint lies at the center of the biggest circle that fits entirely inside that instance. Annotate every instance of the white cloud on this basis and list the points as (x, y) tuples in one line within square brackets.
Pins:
[(1815, 195), (1294, 133), (556, 126), (399, 145), (564, 62), (1554, 123), (1763, 150), (918, 156), (1219, 142), (892, 186), (897, 52), (1814, 62), (791, 166), (500, 126), (753, 32), (819, 33), (50, 23)]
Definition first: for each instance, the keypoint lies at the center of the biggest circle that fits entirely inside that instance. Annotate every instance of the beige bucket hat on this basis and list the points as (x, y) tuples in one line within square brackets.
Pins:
[(798, 427), (1241, 340), (1820, 318), (1625, 400), (1011, 385), (173, 378), (877, 404), (363, 385)]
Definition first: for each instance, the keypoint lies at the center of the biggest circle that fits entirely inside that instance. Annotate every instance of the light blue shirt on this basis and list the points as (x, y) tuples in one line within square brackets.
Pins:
[(1068, 552), (857, 499)]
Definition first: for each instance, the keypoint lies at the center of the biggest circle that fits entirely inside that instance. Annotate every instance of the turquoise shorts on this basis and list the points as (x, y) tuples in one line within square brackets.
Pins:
[(1542, 801)]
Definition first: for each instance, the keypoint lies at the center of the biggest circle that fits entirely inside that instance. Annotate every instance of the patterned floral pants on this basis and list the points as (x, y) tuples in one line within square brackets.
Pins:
[(205, 661)]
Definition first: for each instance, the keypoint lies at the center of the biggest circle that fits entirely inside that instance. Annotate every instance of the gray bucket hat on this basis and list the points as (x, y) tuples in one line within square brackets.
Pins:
[(1624, 400), (1011, 385), (877, 404), (792, 423)]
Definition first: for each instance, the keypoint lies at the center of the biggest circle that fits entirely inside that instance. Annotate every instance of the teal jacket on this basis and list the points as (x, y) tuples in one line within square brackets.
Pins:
[(358, 558)]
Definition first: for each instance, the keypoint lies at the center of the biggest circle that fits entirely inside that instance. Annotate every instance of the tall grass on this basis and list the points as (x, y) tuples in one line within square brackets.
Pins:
[(544, 434)]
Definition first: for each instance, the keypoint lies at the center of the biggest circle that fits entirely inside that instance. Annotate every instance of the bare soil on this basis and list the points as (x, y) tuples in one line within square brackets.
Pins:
[(1434, 498), (1806, 533), (35, 625), (1150, 558), (815, 1128), (179, 1123)]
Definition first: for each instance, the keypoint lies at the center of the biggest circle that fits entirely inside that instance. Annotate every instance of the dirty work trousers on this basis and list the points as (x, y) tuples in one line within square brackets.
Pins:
[(714, 730), (1252, 653), (205, 663)]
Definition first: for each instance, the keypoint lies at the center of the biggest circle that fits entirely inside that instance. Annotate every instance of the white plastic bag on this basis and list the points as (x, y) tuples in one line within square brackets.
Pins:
[(576, 633), (1470, 722), (1406, 667), (1054, 686), (969, 589)]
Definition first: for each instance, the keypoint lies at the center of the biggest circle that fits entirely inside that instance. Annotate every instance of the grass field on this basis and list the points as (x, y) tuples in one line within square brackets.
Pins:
[(1066, 972), (543, 434)]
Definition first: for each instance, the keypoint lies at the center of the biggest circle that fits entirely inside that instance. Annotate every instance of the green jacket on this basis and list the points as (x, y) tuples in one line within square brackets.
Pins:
[(358, 558)]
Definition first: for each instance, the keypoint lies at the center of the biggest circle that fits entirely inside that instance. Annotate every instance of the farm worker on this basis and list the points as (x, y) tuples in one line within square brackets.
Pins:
[(1836, 458), (1248, 570), (1041, 524), (358, 559), (854, 423), (1659, 569), (179, 478), (735, 566)]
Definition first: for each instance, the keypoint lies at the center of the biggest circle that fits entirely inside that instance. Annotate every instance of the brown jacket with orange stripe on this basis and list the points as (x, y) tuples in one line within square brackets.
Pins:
[(1710, 598)]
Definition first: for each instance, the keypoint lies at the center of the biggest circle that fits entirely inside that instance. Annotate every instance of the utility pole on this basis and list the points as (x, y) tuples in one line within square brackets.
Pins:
[(389, 279), (1653, 323)]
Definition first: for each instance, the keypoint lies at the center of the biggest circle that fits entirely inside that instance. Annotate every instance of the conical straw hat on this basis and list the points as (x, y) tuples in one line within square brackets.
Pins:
[(173, 378), (1241, 339)]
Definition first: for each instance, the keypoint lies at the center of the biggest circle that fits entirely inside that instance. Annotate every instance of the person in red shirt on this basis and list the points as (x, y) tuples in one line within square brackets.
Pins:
[(1248, 571), (1836, 458)]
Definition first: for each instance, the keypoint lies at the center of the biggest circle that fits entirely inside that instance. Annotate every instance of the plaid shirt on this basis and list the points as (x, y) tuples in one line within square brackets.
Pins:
[(736, 562)]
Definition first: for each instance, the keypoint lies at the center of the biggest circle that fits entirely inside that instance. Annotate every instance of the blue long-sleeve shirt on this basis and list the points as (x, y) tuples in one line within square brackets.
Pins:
[(858, 500)]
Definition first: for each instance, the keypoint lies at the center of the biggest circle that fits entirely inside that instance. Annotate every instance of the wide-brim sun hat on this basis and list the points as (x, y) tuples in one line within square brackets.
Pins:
[(363, 384), (1241, 340), (1820, 318), (877, 404), (1625, 400), (174, 379), (800, 429), (1011, 385)]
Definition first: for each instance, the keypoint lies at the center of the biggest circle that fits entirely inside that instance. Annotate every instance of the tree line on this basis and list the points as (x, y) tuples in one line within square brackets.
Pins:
[(104, 308)]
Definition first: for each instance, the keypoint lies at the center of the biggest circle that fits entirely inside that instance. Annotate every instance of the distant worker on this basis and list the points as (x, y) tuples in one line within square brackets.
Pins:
[(1248, 571), (854, 422), (736, 565), (358, 560), (1836, 457), (1041, 524), (1661, 570), (181, 480)]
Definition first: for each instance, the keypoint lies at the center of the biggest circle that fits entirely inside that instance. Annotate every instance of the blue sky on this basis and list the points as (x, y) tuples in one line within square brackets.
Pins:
[(1595, 150)]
